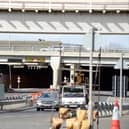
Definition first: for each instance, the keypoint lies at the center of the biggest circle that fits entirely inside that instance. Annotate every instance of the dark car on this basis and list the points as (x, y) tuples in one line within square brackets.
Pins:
[(48, 100)]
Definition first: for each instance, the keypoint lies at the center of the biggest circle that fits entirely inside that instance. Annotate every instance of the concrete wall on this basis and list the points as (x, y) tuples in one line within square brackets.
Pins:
[(31, 22)]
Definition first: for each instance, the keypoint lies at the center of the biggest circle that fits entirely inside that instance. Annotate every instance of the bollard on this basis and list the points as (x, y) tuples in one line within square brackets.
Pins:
[(85, 124), (65, 113), (81, 114), (70, 123), (56, 123)]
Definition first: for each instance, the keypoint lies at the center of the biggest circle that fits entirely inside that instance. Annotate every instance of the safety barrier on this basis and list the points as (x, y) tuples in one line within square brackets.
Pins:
[(77, 118), (72, 119), (13, 97), (104, 108), (15, 102)]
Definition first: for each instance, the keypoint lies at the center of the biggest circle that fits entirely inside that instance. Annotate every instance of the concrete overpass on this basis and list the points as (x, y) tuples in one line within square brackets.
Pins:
[(68, 55), (61, 17), (34, 55), (48, 16)]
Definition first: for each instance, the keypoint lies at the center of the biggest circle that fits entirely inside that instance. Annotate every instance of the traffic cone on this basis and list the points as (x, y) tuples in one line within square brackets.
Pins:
[(115, 117)]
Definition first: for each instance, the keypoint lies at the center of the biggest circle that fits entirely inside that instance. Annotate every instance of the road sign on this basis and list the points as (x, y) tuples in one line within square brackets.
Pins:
[(118, 65), (35, 59)]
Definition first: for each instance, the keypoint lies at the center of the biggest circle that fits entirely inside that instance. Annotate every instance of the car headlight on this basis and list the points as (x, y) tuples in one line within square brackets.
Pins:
[(56, 102), (38, 101), (83, 102)]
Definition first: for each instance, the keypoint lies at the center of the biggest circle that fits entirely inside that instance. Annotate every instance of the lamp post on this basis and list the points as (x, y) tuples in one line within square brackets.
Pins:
[(121, 64), (90, 105), (121, 78)]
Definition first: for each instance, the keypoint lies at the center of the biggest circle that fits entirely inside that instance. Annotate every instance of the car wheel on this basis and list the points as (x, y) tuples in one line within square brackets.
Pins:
[(42, 109), (57, 109), (38, 109)]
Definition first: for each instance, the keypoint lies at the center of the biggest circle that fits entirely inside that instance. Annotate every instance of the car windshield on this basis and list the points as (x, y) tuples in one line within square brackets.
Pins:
[(49, 95), (73, 89), (46, 95), (73, 92)]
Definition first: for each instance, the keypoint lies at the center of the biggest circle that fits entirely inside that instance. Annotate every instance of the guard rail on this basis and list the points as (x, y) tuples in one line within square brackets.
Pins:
[(16, 102)]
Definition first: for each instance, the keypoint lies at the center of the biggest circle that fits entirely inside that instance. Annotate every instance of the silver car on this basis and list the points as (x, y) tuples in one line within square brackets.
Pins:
[(48, 100)]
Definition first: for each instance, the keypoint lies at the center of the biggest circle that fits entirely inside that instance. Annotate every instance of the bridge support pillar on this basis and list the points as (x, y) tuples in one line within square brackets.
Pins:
[(72, 73), (55, 64)]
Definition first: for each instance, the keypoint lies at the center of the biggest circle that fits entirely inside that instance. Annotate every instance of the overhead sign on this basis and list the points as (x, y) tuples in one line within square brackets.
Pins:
[(118, 65), (18, 66), (35, 59), (15, 60)]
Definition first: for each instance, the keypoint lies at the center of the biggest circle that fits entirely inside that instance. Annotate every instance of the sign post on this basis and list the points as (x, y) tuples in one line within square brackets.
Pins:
[(121, 65), (90, 108)]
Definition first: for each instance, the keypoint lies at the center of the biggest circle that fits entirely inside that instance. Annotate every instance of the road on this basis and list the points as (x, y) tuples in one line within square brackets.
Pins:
[(31, 119)]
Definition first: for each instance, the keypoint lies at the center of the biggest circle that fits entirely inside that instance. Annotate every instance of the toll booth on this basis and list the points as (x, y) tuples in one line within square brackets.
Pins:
[(116, 86)]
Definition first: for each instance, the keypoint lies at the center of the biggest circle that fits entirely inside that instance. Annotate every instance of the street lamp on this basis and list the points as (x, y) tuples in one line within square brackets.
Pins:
[(90, 106), (121, 76), (121, 65)]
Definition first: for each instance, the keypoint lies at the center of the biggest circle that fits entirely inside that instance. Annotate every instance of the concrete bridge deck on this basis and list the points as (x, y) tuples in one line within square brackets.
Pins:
[(64, 5)]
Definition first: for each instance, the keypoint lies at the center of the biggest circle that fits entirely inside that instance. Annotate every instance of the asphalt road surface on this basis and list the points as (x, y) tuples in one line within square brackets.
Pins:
[(31, 119)]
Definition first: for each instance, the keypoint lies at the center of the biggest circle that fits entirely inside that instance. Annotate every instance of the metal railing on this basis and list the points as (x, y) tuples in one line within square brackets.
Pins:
[(14, 100), (64, 5), (41, 48)]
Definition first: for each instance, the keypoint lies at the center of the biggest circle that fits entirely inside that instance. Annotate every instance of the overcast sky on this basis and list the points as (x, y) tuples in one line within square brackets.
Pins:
[(105, 41)]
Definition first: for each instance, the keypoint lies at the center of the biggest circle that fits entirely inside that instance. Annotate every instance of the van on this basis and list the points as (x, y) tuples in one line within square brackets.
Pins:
[(74, 96)]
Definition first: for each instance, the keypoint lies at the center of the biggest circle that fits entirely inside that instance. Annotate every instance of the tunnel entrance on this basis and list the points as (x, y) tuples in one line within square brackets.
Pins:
[(43, 77), (106, 78), (30, 77)]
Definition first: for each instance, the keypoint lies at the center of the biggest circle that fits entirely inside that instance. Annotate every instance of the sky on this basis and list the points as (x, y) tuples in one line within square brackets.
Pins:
[(103, 41)]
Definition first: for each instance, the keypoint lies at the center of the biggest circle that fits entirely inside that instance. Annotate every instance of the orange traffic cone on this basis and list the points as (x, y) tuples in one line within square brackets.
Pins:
[(115, 117)]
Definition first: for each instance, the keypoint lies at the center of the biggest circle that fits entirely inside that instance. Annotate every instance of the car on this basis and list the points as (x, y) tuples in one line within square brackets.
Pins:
[(48, 100)]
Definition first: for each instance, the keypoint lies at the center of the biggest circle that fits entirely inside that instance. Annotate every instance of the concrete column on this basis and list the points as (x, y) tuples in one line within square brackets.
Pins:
[(72, 73), (55, 64)]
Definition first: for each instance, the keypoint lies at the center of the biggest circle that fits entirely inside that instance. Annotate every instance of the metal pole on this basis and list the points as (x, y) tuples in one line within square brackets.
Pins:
[(60, 72), (80, 49), (18, 85), (98, 72), (90, 117), (10, 77), (121, 76)]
